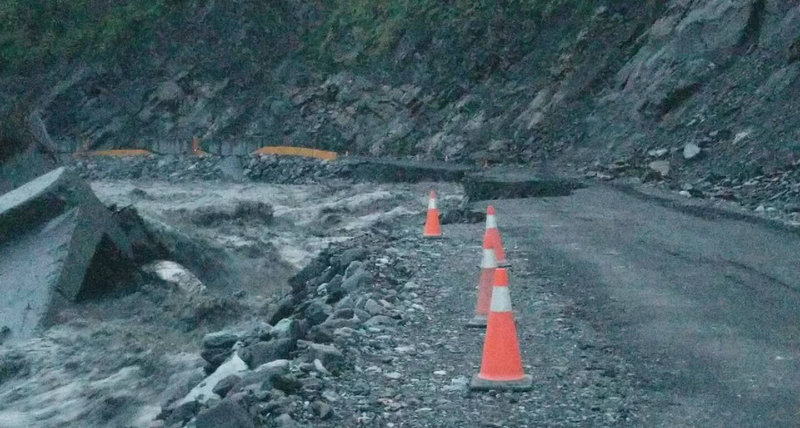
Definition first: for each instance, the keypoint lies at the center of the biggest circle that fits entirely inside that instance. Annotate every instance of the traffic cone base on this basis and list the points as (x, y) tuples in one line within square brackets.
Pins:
[(478, 321), (524, 384)]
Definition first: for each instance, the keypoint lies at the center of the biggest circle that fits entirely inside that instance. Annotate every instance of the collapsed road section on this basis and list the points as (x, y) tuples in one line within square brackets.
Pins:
[(323, 305), (57, 241)]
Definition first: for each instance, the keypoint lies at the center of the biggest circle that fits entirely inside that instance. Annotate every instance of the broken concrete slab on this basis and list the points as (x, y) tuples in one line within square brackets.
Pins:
[(47, 197), (515, 184), (395, 171), (57, 242)]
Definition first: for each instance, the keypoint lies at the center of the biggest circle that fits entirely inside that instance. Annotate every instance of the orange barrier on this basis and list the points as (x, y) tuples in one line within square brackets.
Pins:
[(485, 284), (432, 228), (118, 153), (501, 363), (296, 151)]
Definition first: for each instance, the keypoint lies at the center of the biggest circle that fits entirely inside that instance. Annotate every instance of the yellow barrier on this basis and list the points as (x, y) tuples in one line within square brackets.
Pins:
[(296, 151), (120, 153)]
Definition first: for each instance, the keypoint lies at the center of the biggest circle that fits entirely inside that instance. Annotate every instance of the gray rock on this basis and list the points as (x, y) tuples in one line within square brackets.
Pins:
[(312, 270), (347, 257), (168, 91), (260, 376), (264, 352), (322, 410), (359, 279), (277, 366), (324, 277), (362, 314), (225, 385), (335, 289), (284, 382), (182, 413), (657, 153), (332, 325), (328, 355), (317, 312), (342, 314), (287, 328), (451, 216), (374, 308), (285, 421), (179, 384), (690, 151), (283, 309), (215, 356), (319, 367), (353, 268), (321, 334), (219, 339), (226, 414), (346, 302), (380, 320), (661, 167), (343, 332)]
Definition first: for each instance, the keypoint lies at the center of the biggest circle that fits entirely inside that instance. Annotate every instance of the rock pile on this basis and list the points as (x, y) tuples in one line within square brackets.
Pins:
[(179, 168), (293, 170), (168, 168), (775, 192), (281, 371)]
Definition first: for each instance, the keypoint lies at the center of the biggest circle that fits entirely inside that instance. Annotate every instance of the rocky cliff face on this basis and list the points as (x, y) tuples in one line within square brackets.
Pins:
[(511, 82)]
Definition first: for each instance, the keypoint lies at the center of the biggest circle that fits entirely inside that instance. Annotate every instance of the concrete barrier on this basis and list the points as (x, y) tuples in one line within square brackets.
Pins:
[(57, 243), (398, 171), (515, 184)]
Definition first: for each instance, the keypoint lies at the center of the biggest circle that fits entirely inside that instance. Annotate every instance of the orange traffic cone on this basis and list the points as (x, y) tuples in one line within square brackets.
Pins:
[(432, 228), (501, 364), (494, 238), (488, 265)]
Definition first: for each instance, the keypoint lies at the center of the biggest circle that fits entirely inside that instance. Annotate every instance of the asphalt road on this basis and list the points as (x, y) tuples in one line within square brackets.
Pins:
[(708, 311)]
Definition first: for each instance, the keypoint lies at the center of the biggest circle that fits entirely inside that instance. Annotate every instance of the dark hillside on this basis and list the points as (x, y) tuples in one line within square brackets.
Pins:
[(596, 84)]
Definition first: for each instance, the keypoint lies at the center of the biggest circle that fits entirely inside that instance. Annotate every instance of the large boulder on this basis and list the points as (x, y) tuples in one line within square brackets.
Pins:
[(227, 413), (57, 242)]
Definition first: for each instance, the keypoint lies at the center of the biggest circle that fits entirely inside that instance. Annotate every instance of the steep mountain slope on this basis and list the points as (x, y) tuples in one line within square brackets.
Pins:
[(512, 81)]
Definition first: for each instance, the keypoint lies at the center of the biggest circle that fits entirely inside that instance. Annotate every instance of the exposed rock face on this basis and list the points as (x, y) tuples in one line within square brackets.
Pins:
[(613, 79)]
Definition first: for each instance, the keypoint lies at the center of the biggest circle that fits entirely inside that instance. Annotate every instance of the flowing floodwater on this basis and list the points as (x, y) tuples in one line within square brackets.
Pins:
[(113, 361)]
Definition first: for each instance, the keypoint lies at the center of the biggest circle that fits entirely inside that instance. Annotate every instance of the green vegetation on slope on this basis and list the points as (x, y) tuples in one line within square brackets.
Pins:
[(37, 33), (363, 32)]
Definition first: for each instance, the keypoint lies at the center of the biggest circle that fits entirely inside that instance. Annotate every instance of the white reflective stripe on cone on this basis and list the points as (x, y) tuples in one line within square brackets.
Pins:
[(432, 203), (491, 222), (488, 261), (501, 300)]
